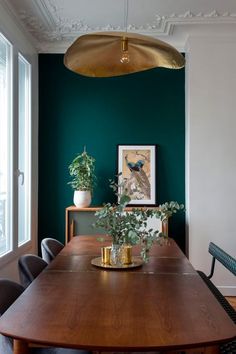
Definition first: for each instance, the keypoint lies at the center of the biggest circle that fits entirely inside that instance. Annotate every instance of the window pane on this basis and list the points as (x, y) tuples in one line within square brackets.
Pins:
[(5, 147), (24, 166)]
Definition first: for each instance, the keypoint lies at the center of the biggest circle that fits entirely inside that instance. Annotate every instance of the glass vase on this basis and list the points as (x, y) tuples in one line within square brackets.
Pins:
[(116, 255)]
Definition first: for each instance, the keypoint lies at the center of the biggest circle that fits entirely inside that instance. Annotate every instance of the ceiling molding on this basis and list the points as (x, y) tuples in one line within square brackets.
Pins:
[(54, 32), (66, 32), (47, 10), (21, 26), (65, 28)]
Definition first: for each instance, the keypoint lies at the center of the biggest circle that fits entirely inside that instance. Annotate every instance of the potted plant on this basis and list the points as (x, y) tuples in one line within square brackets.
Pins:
[(130, 228), (82, 170)]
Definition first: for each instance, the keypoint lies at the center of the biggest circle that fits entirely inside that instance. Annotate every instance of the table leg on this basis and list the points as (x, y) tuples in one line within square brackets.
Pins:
[(20, 347)]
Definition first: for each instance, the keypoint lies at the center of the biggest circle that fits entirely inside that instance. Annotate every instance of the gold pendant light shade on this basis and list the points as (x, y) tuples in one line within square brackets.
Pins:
[(107, 54)]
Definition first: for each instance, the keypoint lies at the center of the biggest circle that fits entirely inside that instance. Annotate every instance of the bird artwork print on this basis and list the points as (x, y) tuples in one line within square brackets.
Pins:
[(137, 181)]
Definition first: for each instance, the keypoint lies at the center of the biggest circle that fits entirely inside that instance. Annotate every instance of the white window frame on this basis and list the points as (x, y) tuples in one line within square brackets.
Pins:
[(9, 209), (12, 31), (28, 152)]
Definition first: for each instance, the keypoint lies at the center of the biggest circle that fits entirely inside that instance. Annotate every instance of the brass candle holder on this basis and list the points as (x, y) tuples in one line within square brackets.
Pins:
[(106, 255), (127, 255)]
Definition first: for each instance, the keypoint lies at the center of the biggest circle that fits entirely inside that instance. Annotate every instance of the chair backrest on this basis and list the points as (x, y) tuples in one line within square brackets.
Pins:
[(30, 266), (50, 248), (224, 258), (9, 292)]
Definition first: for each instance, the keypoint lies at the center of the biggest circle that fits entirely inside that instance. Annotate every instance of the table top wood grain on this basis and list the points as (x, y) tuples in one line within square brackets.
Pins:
[(162, 305)]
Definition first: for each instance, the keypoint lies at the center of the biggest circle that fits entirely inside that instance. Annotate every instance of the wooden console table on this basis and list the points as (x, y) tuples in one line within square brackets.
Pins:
[(79, 222)]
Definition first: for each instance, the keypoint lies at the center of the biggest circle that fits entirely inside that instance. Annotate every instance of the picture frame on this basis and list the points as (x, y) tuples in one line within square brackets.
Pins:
[(137, 172)]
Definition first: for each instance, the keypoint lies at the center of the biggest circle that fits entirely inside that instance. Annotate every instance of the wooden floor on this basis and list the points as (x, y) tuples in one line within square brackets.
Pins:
[(232, 301)]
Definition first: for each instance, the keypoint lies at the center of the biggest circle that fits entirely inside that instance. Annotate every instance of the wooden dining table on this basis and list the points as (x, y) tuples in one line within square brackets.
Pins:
[(162, 305)]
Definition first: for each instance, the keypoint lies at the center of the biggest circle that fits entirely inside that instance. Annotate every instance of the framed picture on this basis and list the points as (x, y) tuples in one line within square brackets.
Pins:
[(137, 172)]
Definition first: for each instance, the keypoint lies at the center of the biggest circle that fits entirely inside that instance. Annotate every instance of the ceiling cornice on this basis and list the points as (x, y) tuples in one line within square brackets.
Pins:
[(11, 12), (54, 33), (66, 32)]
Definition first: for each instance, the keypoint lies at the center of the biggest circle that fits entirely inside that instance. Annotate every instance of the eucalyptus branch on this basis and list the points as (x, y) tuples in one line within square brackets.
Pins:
[(131, 227)]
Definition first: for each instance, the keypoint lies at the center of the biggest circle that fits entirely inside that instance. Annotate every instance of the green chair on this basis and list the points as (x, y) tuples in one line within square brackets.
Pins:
[(229, 263)]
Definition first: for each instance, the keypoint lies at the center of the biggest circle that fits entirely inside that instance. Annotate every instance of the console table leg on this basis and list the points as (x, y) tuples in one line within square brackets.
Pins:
[(20, 347)]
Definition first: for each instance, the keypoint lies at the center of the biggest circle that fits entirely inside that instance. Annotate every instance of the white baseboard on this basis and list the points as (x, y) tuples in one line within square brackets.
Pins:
[(227, 290)]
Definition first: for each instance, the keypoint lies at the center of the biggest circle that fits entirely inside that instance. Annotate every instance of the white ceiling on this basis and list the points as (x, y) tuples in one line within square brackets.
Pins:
[(55, 24)]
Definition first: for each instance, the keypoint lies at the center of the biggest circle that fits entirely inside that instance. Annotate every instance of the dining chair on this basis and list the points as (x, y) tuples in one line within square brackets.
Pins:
[(9, 292), (30, 266), (50, 248), (218, 254)]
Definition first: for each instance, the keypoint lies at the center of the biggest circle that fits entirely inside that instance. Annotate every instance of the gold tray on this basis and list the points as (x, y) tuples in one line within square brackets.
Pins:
[(137, 262)]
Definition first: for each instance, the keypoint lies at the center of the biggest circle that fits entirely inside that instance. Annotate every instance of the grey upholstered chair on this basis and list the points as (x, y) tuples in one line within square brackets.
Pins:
[(50, 248), (30, 266), (9, 292)]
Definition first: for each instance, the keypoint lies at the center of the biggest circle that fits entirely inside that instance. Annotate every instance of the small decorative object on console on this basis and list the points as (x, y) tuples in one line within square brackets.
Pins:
[(81, 170)]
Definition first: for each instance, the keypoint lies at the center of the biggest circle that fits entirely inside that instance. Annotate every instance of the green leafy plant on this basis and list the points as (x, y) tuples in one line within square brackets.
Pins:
[(82, 172), (131, 227)]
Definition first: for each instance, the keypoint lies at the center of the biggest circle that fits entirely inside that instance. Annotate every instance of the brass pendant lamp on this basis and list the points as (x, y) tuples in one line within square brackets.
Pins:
[(107, 54)]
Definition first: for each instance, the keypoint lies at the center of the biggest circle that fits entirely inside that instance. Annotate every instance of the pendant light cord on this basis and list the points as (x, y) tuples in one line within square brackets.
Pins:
[(124, 39), (126, 10)]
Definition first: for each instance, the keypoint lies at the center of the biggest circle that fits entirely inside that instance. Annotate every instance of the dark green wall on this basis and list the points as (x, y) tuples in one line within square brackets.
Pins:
[(142, 108)]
